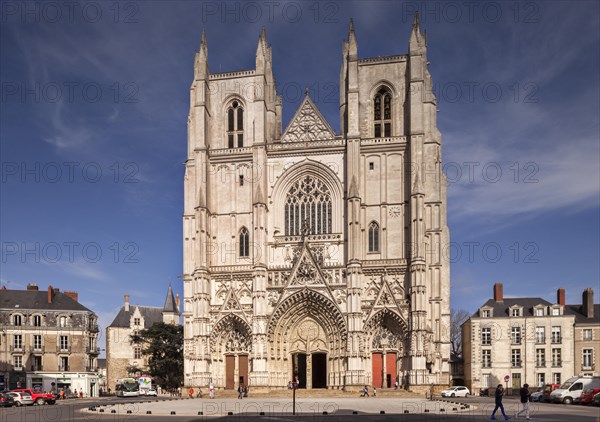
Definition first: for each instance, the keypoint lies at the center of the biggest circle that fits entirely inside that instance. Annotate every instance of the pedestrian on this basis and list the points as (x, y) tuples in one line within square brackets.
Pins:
[(211, 390), (75, 394), (499, 405), (525, 395), (245, 391), (396, 385), (81, 393), (374, 392), (191, 393), (240, 392), (62, 394)]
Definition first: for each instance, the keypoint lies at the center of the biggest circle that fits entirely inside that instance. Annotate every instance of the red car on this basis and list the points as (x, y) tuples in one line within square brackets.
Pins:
[(587, 395), (549, 388), (39, 397)]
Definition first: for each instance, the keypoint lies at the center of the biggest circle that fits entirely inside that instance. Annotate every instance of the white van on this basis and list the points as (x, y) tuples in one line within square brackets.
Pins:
[(572, 389)]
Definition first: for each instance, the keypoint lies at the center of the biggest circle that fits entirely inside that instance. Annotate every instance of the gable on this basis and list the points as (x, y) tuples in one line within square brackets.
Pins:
[(308, 124)]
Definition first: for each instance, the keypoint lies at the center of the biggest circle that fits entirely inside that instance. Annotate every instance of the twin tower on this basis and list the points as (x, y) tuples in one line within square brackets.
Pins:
[(311, 255)]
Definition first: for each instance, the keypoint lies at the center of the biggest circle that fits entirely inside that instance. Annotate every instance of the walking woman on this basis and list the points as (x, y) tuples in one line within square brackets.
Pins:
[(499, 405)]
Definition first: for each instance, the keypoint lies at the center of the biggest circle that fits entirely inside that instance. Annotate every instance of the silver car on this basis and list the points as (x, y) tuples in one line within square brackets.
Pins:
[(22, 399)]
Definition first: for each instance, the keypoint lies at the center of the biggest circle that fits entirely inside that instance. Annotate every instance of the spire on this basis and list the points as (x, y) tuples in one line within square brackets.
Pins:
[(201, 67), (352, 44), (259, 198), (170, 304), (262, 52), (416, 36)]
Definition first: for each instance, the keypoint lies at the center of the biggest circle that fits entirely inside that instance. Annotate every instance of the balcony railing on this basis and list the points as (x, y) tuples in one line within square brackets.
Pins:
[(91, 369), (92, 350), (556, 340), (540, 340), (63, 368), (36, 349), (15, 348), (64, 349), (17, 368), (540, 364), (93, 328), (585, 367)]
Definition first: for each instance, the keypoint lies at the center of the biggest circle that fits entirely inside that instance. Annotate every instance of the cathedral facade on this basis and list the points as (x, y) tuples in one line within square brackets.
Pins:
[(310, 255)]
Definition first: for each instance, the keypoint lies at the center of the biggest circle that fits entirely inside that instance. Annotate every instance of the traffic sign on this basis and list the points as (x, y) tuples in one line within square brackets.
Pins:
[(506, 378)]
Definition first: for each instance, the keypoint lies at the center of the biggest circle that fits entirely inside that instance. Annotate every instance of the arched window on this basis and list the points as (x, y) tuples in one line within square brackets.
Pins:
[(308, 208), (235, 125), (17, 319), (37, 320), (373, 237), (382, 113), (244, 242)]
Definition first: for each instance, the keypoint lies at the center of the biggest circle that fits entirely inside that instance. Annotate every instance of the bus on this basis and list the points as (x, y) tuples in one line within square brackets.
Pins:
[(127, 387)]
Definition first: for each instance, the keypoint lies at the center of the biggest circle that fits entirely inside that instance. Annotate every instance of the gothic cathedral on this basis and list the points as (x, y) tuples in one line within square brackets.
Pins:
[(309, 255)]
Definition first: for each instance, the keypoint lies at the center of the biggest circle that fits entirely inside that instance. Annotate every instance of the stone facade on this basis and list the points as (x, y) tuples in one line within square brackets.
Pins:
[(309, 254), (587, 334), (122, 358), (531, 340), (47, 337)]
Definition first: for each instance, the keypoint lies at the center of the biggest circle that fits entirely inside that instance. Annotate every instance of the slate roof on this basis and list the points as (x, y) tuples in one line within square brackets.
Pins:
[(170, 304), (151, 315), (38, 299), (580, 318), (501, 309)]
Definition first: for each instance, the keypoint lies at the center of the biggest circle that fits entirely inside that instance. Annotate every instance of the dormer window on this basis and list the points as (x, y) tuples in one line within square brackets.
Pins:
[(136, 321), (539, 311), (17, 320), (235, 125), (37, 320), (382, 113), (556, 311), (515, 312), (486, 313), (63, 321)]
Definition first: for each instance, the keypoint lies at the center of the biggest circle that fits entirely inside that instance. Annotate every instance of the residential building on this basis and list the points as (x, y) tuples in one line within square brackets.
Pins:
[(528, 339), (122, 358), (587, 334), (312, 254), (48, 340)]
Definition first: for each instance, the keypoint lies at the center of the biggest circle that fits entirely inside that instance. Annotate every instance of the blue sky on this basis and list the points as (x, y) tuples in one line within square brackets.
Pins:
[(95, 88)]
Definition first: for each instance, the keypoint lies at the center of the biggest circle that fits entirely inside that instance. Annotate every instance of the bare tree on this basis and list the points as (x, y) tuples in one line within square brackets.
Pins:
[(457, 318)]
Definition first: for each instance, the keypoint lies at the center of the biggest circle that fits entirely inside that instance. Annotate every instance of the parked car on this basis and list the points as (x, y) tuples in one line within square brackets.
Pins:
[(537, 396), (588, 395), (22, 399), (458, 391), (572, 389), (151, 392), (548, 389), (6, 400), (38, 396), (596, 400)]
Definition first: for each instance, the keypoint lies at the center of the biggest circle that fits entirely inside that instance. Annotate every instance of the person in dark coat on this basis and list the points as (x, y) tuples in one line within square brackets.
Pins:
[(525, 394), (499, 405)]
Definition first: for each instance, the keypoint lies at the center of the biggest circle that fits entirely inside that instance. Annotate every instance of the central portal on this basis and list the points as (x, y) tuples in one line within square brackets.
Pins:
[(310, 370)]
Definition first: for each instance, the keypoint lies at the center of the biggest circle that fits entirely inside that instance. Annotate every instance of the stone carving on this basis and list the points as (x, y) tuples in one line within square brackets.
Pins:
[(307, 125)]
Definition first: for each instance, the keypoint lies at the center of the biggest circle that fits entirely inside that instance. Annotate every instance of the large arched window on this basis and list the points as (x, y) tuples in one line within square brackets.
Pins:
[(382, 113), (308, 208), (244, 242), (235, 125), (373, 237)]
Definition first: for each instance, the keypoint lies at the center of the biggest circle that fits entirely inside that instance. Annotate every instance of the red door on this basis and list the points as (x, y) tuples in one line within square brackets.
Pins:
[(229, 372), (243, 370), (377, 374), (390, 368)]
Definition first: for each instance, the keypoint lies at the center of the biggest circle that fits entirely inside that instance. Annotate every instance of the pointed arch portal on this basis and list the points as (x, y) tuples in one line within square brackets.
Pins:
[(307, 338)]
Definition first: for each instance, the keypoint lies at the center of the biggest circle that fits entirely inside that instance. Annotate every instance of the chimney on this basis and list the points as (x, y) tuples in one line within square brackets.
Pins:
[(177, 300), (32, 287), (72, 295), (498, 292), (50, 294), (560, 297), (126, 302), (587, 301)]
